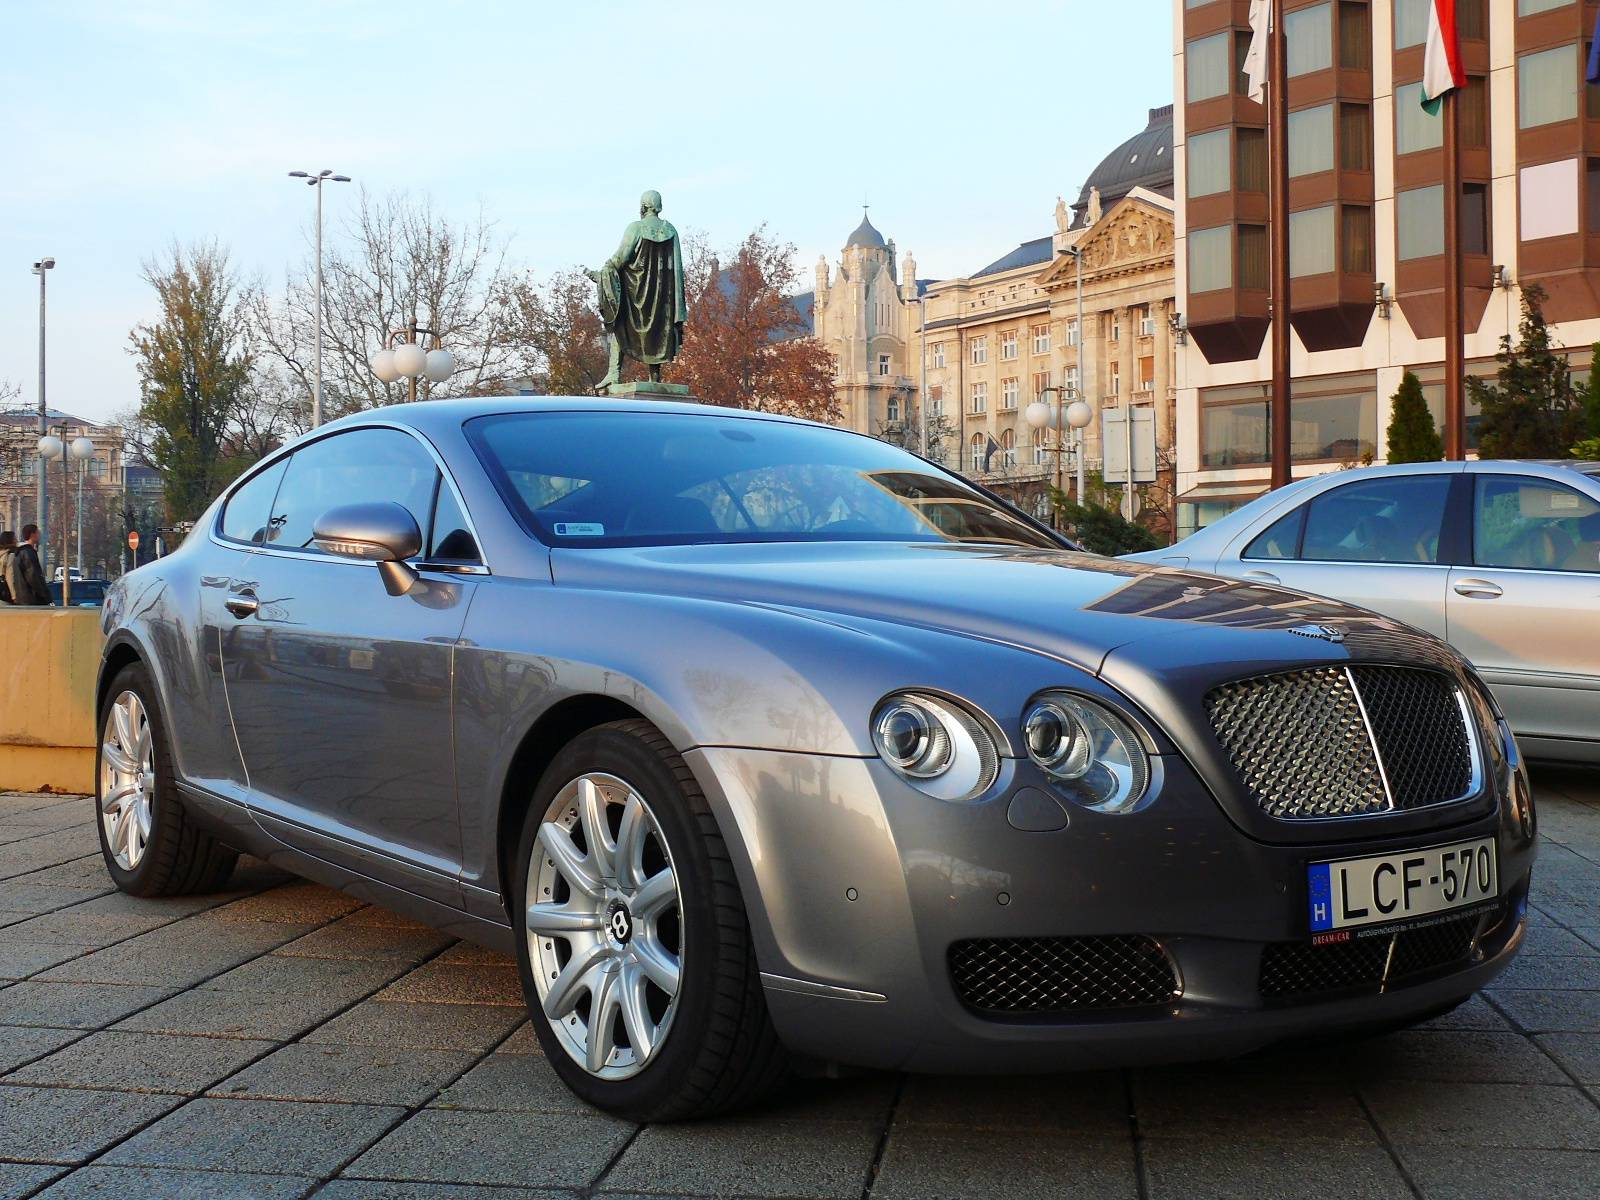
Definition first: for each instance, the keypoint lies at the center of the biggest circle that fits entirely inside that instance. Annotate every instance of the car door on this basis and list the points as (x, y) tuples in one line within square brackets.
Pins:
[(340, 692), (206, 745), (1526, 610), (1374, 542)]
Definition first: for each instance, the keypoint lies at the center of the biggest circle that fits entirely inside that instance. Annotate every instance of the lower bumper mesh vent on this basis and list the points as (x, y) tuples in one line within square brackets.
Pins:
[(1062, 974), (1299, 970)]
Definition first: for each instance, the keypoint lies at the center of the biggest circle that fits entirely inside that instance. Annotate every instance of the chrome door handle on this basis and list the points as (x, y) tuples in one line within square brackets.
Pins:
[(1479, 588), (241, 604), (1263, 576)]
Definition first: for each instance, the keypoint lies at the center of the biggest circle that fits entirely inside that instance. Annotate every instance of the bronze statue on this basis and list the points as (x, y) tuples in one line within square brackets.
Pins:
[(641, 296)]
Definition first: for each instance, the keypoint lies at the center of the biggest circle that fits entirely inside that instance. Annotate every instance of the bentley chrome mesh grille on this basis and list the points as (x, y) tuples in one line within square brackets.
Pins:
[(1061, 974), (1329, 742), (1421, 733), (1296, 970)]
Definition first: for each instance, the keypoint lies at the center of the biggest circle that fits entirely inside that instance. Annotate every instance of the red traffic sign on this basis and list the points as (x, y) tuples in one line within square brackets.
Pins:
[(133, 539)]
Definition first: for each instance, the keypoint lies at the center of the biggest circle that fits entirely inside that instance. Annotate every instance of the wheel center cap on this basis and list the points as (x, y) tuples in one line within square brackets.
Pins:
[(619, 923)]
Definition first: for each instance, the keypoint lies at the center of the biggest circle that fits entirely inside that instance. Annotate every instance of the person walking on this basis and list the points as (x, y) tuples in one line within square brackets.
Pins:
[(8, 551), (26, 576)]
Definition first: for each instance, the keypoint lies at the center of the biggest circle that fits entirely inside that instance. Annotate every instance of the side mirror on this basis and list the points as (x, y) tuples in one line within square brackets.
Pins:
[(382, 532)]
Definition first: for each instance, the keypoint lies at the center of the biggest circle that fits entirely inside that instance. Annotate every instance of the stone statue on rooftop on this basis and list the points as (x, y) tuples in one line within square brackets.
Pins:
[(641, 298)]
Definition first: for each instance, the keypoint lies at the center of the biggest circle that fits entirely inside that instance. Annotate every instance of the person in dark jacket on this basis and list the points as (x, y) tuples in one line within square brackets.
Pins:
[(27, 576), (8, 550)]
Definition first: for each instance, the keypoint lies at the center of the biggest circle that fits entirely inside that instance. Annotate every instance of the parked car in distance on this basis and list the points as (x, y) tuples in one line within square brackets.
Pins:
[(763, 744), (61, 573), (86, 593), (1500, 558)]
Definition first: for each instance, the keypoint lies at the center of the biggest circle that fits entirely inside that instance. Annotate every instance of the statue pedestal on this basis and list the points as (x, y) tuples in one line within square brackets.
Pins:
[(647, 389)]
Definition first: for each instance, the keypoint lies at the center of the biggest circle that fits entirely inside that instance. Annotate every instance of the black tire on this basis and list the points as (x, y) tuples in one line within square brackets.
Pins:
[(179, 858), (721, 1051)]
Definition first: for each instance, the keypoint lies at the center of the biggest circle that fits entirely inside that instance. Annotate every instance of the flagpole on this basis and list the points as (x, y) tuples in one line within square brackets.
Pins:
[(1455, 442), (1278, 154)]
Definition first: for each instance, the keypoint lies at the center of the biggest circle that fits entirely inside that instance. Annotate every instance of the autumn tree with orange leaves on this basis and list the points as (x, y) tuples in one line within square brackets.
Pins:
[(745, 345)]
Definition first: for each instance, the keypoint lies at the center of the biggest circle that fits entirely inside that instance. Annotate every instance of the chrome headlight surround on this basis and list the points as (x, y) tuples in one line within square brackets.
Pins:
[(937, 745), (1090, 752)]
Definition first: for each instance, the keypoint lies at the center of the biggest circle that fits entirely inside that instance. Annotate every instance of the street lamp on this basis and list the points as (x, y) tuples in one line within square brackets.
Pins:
[(52, 446), (44, 264), (316, 181), (407, 359), (1073, 413)]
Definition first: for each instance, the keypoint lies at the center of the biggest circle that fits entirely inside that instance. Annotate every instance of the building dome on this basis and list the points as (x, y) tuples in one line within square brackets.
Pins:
[(866, 235), (1144, 160)]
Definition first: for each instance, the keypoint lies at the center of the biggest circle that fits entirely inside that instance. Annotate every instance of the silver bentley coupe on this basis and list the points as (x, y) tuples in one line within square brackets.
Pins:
[(766, 746)]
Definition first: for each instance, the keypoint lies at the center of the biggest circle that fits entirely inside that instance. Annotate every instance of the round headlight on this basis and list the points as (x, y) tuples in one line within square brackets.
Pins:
[(911, 740), (936, 745), (1090, 752), (1056, 741)]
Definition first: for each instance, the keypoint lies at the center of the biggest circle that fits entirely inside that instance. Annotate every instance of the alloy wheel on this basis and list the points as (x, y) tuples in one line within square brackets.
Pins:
[(127, 779), (604, 926)]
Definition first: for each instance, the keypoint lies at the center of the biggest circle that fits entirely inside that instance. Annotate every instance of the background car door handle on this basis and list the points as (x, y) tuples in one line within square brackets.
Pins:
[(241, 604), (1480, 588), (1263, 576)]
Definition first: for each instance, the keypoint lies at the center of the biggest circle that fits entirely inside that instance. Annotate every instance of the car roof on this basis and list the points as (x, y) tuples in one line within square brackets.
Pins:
[(431, 415)]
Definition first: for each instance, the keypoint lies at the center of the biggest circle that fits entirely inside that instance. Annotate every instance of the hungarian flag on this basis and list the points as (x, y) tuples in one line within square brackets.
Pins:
[(1441, 61)]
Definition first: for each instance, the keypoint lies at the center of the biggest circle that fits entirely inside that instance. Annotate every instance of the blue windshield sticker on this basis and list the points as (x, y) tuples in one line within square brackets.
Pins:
[(579, 529)]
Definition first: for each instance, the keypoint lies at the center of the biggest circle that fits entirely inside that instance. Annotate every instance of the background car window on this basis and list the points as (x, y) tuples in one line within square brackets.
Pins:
[(1281, 539), (351, 468), (449, 540), (244, 518), (1534, 525), (1392, 520)]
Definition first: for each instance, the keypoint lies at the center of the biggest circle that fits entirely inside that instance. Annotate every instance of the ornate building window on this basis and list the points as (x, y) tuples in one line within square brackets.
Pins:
[(1041, 339), (938, 354), (1072, 333), (936, 402), (1010, 389), (891, 410), (980, 351), (1041, 380), (979, 458), (1008, 344), (883, 364), (1008, 448), (980, 397), (1041, 453)]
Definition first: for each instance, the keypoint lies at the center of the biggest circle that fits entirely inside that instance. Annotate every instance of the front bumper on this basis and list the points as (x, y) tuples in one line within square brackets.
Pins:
[(857, 886)]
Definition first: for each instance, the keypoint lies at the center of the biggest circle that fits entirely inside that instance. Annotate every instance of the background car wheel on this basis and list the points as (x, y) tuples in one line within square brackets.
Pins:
[(151, 845), (634, 947)]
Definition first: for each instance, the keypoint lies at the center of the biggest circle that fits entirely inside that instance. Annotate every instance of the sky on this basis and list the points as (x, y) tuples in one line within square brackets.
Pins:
[(133, 123)]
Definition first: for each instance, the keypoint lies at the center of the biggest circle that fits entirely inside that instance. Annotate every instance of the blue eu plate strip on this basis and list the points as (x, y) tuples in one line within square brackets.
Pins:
[(1319, 876)]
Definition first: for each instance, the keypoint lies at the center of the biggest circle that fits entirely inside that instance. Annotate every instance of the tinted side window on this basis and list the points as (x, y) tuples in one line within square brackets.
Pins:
[(1281, 539), (244, 519), (449, 539), (1395, 520), (351, 468), (1534, 525)]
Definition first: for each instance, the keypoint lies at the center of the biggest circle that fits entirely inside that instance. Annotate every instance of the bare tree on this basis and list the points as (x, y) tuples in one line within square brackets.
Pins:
[(553, 331), (393, 261)]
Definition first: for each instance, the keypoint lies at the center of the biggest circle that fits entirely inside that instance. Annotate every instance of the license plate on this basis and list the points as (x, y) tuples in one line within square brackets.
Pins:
[(1395, 887)]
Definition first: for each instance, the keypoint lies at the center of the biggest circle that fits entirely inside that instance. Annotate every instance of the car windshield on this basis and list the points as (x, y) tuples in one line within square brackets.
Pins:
[(644, 479)]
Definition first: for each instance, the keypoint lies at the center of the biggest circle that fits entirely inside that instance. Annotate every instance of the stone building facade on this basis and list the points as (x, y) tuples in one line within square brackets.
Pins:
[(988, 344)]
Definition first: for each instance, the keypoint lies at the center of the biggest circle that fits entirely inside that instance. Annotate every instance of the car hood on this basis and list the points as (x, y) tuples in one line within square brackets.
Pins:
[(1072, 606)]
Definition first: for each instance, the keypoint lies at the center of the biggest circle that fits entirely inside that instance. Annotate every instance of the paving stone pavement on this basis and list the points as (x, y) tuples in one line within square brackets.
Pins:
[(282, 1041)]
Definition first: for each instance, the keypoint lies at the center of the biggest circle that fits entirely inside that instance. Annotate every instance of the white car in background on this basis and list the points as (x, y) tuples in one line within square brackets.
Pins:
[(1500, 558)]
